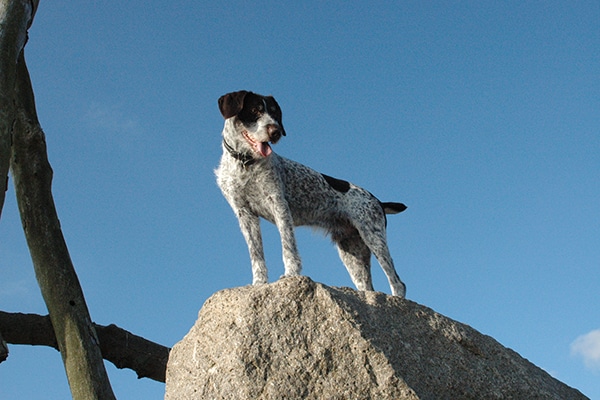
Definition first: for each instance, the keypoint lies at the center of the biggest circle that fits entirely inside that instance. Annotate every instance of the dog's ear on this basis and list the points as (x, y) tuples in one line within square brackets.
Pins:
[(231, 104)]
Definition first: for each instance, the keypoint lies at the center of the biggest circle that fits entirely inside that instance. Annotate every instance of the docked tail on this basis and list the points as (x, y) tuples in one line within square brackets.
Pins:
[(393, 208)]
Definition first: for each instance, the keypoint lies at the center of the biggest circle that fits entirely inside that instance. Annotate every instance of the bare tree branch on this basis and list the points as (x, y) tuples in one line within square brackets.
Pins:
[(15, 19), (126, 350), (54, 270), (3, 349), (122, 348)]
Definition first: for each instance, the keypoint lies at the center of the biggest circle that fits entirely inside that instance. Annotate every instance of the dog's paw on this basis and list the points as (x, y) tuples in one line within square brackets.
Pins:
[(260, 281), (399, 290)]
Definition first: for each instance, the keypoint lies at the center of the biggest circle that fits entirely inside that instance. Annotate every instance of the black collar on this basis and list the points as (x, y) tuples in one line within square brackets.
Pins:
[(245, 158)]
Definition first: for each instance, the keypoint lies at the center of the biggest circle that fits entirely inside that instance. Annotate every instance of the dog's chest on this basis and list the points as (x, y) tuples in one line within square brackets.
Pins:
[(254, 188)]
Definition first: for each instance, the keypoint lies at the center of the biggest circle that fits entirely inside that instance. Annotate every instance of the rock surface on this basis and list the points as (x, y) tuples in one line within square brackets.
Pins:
[(296, 339)]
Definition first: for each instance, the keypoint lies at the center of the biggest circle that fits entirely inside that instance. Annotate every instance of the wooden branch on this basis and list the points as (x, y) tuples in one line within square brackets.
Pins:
[(15, 19), (3, 349), (120, 347), (62, 293)]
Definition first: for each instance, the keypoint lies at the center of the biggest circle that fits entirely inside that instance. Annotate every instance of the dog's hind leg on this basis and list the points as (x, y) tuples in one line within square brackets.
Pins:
[(377, 244), (369, 221), (356, 256)]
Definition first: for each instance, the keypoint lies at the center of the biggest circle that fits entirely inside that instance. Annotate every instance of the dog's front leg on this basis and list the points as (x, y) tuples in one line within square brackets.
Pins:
[(250, 227), (285, 224)]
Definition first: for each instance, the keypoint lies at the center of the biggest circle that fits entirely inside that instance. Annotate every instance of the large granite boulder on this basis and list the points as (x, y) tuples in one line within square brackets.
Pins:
[(297, 339)]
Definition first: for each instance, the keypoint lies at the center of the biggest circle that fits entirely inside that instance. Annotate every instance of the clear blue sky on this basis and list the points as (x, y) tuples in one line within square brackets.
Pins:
[(483, 117)]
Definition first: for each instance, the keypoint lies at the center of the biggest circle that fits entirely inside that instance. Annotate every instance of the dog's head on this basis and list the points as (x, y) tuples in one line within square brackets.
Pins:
[(258, 118)]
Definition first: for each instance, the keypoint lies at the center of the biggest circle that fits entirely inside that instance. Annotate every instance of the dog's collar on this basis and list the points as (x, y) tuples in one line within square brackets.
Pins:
[(245, 158)]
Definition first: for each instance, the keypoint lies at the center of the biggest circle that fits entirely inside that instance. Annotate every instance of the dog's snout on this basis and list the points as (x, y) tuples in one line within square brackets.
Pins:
[(275, 132)]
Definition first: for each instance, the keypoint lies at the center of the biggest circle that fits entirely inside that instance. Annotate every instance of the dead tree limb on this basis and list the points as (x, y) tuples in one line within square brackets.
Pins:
[(3, 348), (122, 348), (15, 19), (62, 293)]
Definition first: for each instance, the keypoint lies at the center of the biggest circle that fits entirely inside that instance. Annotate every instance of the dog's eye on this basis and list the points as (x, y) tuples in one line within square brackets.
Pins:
[(257, 109)]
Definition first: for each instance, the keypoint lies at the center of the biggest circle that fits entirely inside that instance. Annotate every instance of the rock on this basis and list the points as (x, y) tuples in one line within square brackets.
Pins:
[(297, 339)]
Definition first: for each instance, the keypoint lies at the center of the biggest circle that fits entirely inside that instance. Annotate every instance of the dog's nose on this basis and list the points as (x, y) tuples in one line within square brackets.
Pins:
[(275, 132)]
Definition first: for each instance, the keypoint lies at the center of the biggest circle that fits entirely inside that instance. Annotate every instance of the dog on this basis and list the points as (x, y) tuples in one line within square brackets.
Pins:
[(257, 182)]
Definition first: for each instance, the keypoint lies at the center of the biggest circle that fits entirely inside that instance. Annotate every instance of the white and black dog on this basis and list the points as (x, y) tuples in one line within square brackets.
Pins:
[(259, 183)]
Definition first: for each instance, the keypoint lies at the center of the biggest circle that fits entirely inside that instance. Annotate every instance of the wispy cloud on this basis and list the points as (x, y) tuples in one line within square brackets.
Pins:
[(588, 347), (114, 121)]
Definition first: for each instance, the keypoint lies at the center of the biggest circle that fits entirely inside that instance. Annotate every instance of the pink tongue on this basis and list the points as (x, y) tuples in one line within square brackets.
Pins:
[(264, 149)]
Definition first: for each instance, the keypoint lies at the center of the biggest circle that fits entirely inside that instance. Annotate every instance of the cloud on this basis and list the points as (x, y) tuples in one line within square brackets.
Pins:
[(588, 347), (114, 121)]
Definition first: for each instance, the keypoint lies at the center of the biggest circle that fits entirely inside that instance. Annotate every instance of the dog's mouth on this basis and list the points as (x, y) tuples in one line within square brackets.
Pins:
[(262, 148)]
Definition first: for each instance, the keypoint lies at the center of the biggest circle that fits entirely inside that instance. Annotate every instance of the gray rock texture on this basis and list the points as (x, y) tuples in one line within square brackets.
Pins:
[(297, 339)]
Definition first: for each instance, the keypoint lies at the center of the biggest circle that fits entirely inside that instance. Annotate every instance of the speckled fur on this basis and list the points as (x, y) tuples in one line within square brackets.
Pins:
[(290, 194)]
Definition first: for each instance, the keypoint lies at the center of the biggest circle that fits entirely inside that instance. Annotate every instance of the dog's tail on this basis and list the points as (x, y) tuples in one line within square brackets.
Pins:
[(393, 208)]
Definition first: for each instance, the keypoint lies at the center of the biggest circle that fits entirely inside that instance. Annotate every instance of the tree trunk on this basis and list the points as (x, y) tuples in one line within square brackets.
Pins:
[(75, 334)]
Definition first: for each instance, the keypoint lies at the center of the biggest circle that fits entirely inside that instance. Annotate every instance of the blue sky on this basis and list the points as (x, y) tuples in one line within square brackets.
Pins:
[(483, 117)]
